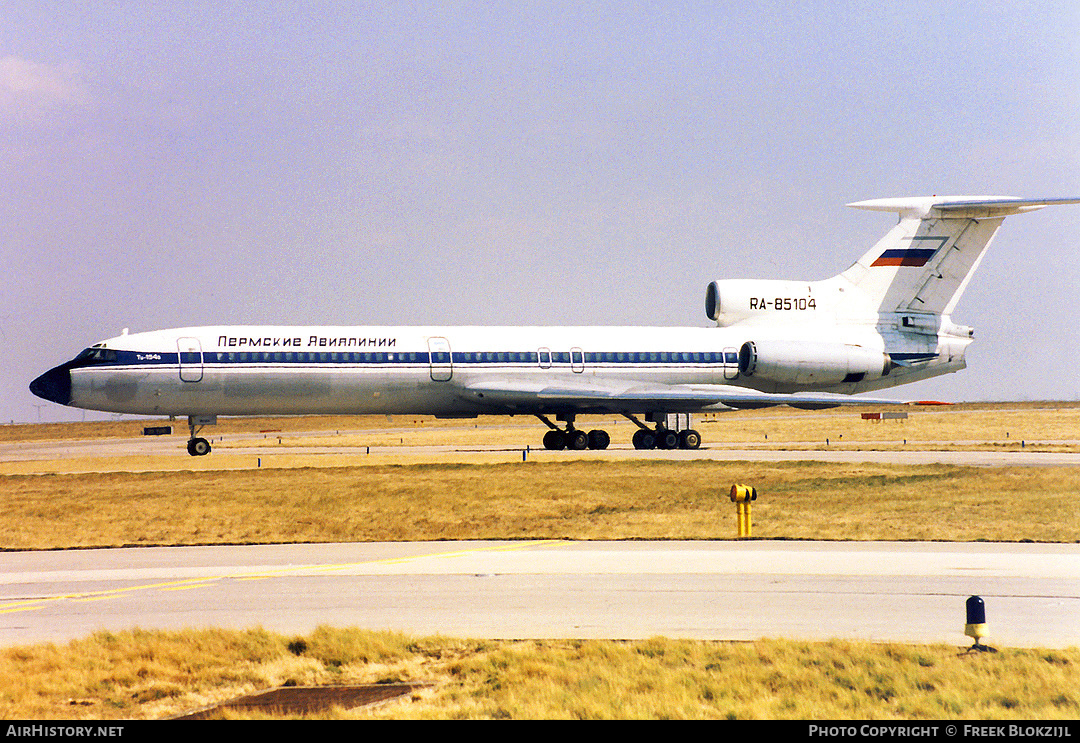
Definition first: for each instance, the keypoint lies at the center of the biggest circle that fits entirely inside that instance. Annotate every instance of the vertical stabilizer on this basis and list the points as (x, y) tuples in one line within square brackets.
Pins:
[(924, 263)]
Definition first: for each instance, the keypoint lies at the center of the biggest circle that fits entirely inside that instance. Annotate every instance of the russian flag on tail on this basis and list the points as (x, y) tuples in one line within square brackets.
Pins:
[(904, 257)]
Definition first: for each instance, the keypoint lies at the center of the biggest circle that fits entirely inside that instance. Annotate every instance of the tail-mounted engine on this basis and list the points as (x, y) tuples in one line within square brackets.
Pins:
[(808, 362), (732, 301)]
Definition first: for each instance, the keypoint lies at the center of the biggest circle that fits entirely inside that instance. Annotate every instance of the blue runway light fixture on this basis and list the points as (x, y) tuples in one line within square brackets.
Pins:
[(975, 627)]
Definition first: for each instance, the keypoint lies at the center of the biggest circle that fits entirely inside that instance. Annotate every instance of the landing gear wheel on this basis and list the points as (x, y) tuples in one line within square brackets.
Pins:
[(644, 439), (198, 447), (689, 439), (577, 440), (599, 439), (555, 440), (667, 439)]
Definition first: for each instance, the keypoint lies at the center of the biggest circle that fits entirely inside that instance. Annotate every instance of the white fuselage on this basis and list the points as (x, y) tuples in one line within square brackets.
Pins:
[(883, 322), (253, 370)]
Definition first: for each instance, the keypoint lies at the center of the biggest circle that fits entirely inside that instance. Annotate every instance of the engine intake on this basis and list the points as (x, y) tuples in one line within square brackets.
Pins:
[(807, 362), (732, 301)]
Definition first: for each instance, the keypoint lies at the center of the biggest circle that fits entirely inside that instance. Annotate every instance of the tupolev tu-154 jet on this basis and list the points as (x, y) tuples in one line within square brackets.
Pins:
[(883, 322)]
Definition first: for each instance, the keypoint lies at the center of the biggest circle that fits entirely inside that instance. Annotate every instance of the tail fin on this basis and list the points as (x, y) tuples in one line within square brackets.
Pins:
[(924, 263)]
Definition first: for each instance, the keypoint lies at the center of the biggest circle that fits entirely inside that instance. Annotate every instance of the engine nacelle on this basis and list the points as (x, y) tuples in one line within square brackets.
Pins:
[(734, 300), (809, 362)]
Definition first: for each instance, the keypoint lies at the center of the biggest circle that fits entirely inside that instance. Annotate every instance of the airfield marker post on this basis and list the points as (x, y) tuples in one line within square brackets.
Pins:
[(742, 496), (975, 628)]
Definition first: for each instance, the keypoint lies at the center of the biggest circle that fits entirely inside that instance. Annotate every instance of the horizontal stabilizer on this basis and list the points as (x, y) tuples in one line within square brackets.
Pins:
[(959, 206)]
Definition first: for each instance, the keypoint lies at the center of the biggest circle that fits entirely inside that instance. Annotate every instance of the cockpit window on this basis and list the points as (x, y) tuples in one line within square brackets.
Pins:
[(97, 355)]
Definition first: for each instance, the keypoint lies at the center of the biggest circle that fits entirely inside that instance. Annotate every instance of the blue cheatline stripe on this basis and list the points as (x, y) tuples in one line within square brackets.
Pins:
[(423, 358), (525, 358)]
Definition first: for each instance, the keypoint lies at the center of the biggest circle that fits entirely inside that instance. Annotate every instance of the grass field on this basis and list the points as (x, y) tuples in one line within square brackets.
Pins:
[(1042, 426), (162, 674), (539, 500), (159, 674)]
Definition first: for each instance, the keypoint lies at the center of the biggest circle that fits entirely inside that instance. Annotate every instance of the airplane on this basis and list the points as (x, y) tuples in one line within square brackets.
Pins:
[(883, 322)]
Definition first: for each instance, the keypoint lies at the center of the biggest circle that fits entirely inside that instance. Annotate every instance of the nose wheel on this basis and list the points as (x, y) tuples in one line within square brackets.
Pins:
[(196, 445)]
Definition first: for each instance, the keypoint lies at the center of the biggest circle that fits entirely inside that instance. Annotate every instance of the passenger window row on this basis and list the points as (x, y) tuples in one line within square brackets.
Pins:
[(478, 357), (544, 357)]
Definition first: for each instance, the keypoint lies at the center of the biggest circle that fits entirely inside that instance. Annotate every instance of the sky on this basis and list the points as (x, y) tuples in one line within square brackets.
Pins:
[(168, 164)]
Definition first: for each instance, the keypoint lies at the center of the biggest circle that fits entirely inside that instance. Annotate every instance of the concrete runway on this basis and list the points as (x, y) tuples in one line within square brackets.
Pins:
[(905, 592)]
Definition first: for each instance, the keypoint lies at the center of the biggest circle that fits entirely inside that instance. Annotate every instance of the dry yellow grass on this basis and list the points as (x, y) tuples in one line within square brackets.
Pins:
[(304, 497), (981, 426), (161, 674), (551, 500), (1044, 426)]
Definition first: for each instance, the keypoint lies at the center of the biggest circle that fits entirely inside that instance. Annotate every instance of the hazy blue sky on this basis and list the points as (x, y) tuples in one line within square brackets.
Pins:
[(181, 163)]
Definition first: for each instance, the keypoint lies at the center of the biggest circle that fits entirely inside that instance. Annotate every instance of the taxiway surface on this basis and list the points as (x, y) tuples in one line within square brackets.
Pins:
[(904, 592), (143, 454)]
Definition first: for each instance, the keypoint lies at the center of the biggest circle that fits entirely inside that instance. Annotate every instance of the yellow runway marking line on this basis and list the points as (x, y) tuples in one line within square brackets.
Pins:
[(103, 595), (201, 584), (188, 584), (292, 570), (23, 606)]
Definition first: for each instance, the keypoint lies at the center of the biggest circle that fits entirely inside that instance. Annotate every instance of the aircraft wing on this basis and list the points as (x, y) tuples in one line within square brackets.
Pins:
[(537, 397)]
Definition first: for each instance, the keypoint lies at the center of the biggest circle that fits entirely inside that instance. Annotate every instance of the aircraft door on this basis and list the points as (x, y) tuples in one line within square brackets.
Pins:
[(731, 363), (442, 363), (190, 357), (577, 360)]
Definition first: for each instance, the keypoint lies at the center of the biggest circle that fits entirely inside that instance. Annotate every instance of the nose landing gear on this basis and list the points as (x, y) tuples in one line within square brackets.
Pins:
[(197, 446)]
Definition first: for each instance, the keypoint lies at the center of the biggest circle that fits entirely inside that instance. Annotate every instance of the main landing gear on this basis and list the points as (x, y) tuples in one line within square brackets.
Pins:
[(572, 438), (667, 434), (197, 446)]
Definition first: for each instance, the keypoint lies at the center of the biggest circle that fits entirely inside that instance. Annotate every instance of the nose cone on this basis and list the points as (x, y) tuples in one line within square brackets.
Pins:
[(54, 385)]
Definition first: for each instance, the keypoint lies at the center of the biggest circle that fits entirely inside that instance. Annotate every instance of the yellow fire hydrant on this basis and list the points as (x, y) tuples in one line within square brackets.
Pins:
[(742, 496)]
